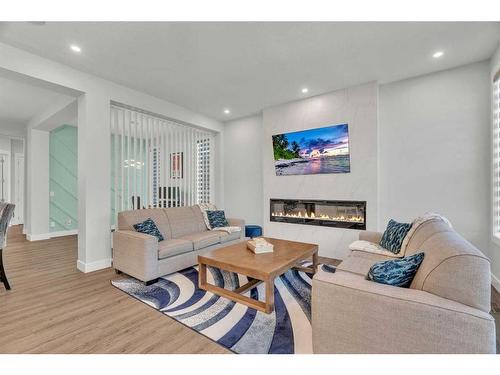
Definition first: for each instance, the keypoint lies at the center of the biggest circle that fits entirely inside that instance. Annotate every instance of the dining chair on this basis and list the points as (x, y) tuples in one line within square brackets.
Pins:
[(7, 211)]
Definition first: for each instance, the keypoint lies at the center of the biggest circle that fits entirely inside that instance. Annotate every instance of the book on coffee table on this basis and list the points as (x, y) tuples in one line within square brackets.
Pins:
[(260, 246)]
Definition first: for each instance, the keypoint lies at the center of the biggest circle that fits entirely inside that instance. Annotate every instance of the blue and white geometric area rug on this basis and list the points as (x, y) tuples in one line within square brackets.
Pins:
[(235, 326)]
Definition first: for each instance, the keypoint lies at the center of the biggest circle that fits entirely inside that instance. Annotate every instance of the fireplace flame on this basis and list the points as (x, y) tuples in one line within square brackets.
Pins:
[(305, 215)]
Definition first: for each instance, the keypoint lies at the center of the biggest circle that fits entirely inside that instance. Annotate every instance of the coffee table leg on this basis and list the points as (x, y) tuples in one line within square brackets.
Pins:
[(202, 275), (315, 262), (269, 295)]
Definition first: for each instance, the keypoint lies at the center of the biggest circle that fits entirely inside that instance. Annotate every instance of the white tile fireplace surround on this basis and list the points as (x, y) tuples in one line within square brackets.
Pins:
[(356, 106)]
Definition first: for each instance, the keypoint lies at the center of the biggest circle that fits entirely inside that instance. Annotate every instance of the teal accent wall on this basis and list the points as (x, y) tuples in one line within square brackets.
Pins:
[(63, 183)]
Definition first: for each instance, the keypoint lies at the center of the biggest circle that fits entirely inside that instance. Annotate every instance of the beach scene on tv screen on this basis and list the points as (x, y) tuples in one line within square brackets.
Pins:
[(312, 151)]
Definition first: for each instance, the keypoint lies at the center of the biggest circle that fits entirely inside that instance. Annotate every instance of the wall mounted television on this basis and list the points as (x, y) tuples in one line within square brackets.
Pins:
[(312, 151)]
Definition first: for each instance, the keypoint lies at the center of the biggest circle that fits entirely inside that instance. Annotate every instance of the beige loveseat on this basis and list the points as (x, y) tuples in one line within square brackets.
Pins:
[(186, 236), (445, 310)]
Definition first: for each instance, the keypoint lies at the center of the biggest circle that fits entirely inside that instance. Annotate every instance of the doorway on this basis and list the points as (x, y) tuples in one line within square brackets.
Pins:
[(19, 188), (4, 177)]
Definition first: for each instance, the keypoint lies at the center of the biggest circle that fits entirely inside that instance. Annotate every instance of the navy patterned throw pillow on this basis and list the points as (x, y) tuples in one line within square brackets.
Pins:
[(394, 234), (396, 272), (148, 226), (217, 219)]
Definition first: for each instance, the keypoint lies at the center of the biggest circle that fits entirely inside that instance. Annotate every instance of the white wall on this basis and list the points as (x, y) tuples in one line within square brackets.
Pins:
[(243, 169), (37, 174), (356, 106), (434, 150), (17, 147)]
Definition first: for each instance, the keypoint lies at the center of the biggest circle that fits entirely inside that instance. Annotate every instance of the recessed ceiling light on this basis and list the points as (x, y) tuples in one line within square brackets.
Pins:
[(227, 111), (75, 48), (305, 90), (438, 54)]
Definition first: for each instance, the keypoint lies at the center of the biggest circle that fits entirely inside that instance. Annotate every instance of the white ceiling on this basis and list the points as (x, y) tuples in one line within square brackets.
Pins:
[(250, 66), (20, 102)]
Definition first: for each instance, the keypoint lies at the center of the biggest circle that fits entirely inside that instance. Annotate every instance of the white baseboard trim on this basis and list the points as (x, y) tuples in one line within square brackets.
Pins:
[(46, 236), (93, 266), (495, 281), (38, 237), (63, 233)]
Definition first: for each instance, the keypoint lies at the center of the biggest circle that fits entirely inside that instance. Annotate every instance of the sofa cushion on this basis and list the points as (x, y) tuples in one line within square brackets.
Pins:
[(170, 248), (200, 220), (454, 269), (423, 232), (359, 262), (226, 237), (396, 272), (202, 239), (127, 219), (369, 256), (185, 220)]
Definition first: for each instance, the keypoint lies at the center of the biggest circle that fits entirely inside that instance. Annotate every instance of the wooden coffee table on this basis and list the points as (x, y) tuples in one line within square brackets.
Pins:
[(261, 267)]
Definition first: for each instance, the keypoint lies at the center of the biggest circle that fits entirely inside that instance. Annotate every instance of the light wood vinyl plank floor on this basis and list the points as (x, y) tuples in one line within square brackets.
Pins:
[(54, 308)]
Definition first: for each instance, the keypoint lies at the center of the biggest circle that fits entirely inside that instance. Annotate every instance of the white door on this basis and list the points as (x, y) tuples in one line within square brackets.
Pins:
[(4, 177), (19, 188)]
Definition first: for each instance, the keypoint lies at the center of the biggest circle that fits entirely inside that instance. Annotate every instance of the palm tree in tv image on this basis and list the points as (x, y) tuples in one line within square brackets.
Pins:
[(295, 149)]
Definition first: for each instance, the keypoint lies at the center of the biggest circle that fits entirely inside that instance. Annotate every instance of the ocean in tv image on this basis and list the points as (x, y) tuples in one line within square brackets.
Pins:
[(313, 151)]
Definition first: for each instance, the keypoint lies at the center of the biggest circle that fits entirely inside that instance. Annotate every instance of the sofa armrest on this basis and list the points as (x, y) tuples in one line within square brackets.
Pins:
[(136, 254), (238, 223), (374, 237), (353, 315)]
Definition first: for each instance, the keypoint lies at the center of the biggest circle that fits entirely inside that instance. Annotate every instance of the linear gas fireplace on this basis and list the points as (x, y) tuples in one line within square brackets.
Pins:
[(339, 214)]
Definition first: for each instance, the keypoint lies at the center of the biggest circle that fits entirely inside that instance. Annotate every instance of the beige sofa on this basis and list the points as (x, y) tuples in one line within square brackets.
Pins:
[(186, 236), (445, 310)]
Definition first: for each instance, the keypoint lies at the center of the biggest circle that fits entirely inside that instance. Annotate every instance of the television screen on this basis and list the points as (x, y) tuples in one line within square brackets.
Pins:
[(313, 151)]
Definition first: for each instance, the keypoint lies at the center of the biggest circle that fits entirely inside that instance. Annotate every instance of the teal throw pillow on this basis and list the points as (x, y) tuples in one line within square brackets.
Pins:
[(217, 219), (396, 272), (148, 226), (394, 234)]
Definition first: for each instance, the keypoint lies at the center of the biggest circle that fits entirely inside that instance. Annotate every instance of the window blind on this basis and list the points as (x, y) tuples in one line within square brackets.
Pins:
[(496, 156), (203, 170), (157, 162)]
